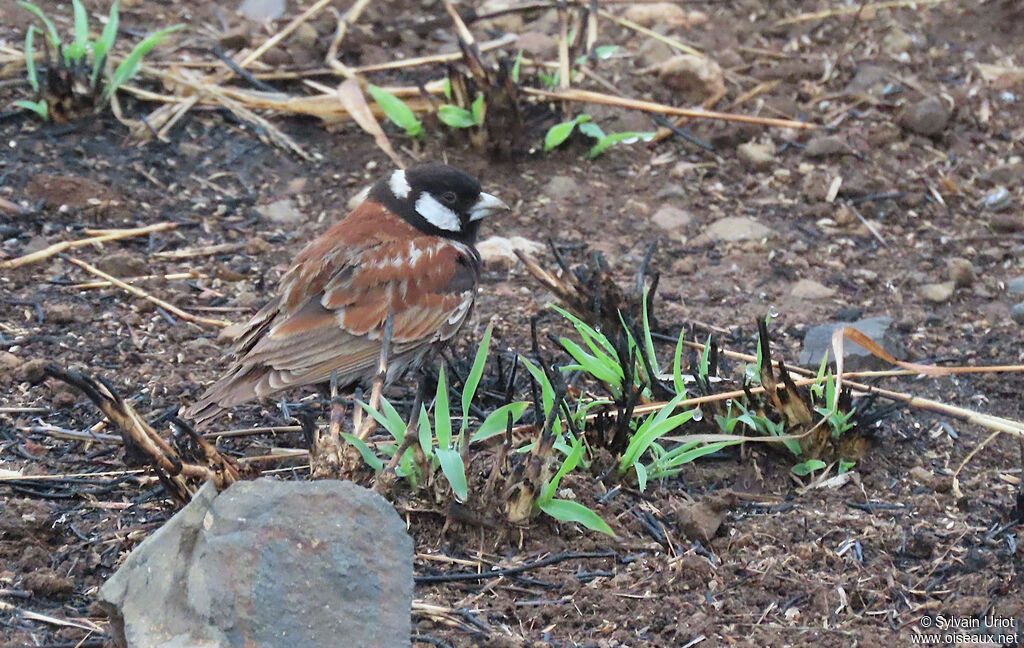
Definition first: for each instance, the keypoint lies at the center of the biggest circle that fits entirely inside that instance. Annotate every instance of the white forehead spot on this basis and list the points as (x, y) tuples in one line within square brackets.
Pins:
[(437, 214), (399, 184)]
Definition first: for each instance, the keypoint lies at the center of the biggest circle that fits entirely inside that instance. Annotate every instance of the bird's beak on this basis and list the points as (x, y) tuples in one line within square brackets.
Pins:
[(485, 206)]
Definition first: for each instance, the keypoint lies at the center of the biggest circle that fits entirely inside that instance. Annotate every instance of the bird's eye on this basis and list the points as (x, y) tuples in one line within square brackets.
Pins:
[(448, 198)]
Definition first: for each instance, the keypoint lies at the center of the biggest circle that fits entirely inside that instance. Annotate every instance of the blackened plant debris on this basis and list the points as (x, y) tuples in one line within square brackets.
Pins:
[(143, 446)]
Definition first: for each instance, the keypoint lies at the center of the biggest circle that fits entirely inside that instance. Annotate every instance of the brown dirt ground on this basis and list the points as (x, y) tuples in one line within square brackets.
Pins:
[(786, 566)]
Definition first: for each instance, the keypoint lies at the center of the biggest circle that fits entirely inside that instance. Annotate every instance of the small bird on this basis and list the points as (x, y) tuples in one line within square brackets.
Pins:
[(406, 252)]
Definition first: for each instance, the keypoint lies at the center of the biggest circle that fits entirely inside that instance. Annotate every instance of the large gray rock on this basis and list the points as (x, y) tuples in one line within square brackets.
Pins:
[(818, 341), (267, 564)]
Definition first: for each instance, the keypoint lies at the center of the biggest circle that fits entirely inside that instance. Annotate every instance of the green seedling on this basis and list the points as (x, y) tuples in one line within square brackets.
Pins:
[(458, 117), (397, 111)]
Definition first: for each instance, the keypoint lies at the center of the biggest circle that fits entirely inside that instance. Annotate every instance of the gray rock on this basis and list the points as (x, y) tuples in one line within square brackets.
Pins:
[(737, 228), (262, 10), (1015, 286), (961, 272), (810, 289), (927, 117), (755, 155), (561, 187), (1017, 313), (870, 79), (282, 212), (1008, 175), (268, 564), (938, 292), (996, 200), (818, 341), (826, 145), (671, 218), (537, 44)]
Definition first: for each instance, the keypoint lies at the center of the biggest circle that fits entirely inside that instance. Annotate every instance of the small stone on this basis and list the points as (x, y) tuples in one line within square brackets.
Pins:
[(696, 78), (262, 11), (61, 314), (123, 264), (46, 583), (928, 116), (1007, 175), (266, 559), (1017, 313), (737, 228), (1007, 222), (32, 371), (282, 212), (699, 521), (961, 272), (537, 44), (671, 191), (664, 13), (922, 475), (810, 289), (257, 245), (671, 218), (938, 292), (996, 200), (235, 39), (1015, 286), (897, 41), (305, 36), (9, 362), (826, 145), (685, 265), (870, 79), (653, 52), (64, 399), (755, 155), (818, 342), (561, 188), (500, 251)]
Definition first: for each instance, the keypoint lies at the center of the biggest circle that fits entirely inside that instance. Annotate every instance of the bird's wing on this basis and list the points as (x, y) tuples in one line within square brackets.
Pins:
[(332, 310)]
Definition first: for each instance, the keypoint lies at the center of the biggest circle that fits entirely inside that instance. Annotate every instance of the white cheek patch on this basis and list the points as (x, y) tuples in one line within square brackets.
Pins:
[(399, 184), (437, 214)]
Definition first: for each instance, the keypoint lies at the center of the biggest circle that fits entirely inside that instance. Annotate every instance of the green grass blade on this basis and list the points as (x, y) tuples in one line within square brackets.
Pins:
[(51, 31), (130, 65), (569, 511), (397, 111), (561, 132), (606, 371), (641, 476), (76, 50), (477, 109), (372, 460), (454, 471), (572, 459), (649, 340), (677, 366), (617, 138), (425, 433), (807, 467), (396, 429), (475, 373), (102, 47), (455, 116), (30, 58), (442, 415), (516, 66), (497, 421), (547, 392), (589, 334), (38, 107)]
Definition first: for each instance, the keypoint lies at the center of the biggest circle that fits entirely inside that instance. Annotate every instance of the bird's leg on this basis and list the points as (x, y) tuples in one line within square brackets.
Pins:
[(363, 430), (337, 410)]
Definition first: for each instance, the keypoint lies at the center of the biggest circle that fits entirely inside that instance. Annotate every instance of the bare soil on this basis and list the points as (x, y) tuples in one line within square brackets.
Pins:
[(733, 552)]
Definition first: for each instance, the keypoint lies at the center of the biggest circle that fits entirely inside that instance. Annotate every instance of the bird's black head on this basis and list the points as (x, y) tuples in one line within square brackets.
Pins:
[(437, 199)]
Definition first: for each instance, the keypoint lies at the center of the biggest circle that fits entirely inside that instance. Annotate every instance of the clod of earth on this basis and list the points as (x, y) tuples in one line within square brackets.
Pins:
[(265, 560)]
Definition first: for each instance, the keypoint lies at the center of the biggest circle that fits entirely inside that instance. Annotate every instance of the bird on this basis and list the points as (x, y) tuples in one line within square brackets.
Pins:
[(406, 253)]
